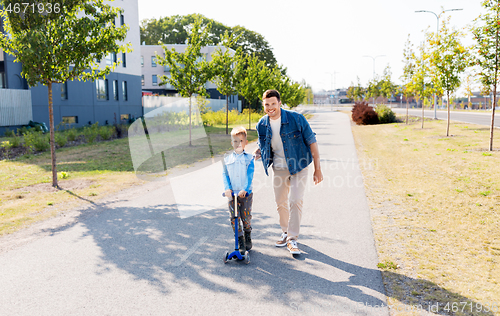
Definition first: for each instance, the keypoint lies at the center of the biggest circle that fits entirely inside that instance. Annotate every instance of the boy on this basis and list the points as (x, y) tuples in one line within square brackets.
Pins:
[(288, 143), (238, 175)]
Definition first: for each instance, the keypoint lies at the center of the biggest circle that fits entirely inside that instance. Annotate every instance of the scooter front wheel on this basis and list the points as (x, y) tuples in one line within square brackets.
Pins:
[(247, 257), (225, 256)]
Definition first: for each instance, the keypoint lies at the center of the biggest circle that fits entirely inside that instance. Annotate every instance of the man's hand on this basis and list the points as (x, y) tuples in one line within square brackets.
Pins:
[(257, 153), (229, 194), (317, 176), (242, 193)]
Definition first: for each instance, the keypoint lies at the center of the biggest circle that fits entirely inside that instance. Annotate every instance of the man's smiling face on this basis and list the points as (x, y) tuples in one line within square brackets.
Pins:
[(272, 107)]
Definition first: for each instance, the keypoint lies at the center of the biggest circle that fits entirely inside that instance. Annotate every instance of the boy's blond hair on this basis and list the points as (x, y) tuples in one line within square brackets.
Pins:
[(240, 130)]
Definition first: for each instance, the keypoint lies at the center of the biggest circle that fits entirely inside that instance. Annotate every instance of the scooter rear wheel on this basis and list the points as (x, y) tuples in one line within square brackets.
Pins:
[(247, 257)]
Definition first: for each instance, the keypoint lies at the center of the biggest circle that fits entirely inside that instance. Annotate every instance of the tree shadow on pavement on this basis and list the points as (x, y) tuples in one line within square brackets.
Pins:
[(153, 244)]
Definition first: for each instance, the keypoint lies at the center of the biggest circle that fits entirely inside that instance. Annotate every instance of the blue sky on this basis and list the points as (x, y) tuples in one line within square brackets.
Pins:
[(315, 39)]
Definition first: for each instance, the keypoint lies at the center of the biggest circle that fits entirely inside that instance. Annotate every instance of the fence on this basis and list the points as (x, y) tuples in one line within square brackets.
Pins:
[(152, 103), (15, 107)]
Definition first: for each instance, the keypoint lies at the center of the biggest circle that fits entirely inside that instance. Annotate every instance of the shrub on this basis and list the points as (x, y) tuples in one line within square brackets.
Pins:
[(7, 146), (72, 134), (61, 139), (91, 132), (106, 132), (385, 114), (34, 140), (15, 140), (8, 133), (363, 114)]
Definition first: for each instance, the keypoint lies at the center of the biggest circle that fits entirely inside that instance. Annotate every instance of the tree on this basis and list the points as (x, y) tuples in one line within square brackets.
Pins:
[(62, 45), (223, 65), (387, 87), (408, 72), (449, 58), (420, 85), (175, 30), (309, 96), (356, 93), (487, 45), (468, 86), (373, 89), (189, 70), (253, 79)]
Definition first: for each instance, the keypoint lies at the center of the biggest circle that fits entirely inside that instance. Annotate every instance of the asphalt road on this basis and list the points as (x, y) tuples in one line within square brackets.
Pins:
[(132, 254), (480, 118)]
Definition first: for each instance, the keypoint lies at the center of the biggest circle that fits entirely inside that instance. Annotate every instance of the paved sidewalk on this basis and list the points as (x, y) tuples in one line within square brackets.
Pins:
[(134, 255)]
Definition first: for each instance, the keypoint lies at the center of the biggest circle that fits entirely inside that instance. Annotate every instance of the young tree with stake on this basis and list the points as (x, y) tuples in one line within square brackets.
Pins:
[(61, 45)]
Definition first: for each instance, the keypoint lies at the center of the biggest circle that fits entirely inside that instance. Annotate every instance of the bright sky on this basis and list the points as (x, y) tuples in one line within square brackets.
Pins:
[(324, 41)]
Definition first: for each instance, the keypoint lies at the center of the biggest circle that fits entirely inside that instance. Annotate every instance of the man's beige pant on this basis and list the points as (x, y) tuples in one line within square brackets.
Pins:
[(289, 195)]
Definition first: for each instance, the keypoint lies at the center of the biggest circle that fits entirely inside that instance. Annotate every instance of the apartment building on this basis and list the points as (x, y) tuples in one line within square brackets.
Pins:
[(80, 103)]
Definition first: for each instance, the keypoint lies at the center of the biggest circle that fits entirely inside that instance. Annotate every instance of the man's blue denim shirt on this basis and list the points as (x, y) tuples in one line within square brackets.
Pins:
[(296, 135)]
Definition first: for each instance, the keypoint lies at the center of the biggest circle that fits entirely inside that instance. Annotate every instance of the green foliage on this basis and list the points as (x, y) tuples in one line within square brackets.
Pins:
[(385, 114), (356, 93), (72, 134), (7, 146), (61, 139), (63, 175), (106, 132), (15, 140), (175, 30), (219, 118), (91, 132), (202, 104), (36, 141), (8, 133)]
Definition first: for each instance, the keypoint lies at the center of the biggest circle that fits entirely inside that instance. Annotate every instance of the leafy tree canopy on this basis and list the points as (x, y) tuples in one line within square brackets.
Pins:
[(175, 30)]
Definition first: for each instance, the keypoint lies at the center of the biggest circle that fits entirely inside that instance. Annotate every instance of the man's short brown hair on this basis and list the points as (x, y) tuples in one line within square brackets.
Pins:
[(271, 93)]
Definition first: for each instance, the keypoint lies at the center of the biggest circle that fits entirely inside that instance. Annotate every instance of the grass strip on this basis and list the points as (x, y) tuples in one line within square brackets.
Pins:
[(435, 206)]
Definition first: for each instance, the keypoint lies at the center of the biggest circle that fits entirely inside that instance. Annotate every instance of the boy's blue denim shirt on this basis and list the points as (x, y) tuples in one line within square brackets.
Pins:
[(296, 135), (238, 172)]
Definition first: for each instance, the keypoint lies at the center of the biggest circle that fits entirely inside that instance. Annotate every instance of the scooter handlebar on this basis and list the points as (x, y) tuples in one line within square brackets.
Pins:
[(224, 193)]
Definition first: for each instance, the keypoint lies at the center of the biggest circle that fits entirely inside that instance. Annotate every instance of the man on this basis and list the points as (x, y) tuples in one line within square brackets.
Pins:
[(287, 142)]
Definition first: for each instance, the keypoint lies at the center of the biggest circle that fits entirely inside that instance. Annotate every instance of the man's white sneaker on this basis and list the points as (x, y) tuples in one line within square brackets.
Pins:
[(282, 241), (292, 247)]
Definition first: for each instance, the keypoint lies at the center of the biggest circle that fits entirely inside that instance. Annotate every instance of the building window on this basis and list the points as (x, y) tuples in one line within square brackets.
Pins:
[(2, 80), (122, 19), (142, 79), (153, 61), (124, 117), (142, 61), (111, 58), (124, 60), (101, 86), (70, 119), (124, 91), (115, 89), (64, 91), (155, 80)]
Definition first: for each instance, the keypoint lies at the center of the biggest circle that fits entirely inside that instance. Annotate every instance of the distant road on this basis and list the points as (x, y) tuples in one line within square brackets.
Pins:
[(480, 118)]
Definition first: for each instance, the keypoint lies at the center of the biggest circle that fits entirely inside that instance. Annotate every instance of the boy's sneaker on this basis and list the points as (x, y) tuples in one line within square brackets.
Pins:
[(248, 240), (282, 241), (292, 247), (241, 244)]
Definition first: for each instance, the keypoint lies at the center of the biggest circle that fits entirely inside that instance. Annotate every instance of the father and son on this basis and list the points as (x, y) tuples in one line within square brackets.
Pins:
[(287, 143)]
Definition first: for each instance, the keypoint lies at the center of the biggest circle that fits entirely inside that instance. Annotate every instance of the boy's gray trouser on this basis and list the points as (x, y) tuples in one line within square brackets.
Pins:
[(245, 209)]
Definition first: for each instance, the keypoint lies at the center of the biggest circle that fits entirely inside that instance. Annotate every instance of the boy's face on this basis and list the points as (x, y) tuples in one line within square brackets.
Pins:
[(272, 107), (239, 142)]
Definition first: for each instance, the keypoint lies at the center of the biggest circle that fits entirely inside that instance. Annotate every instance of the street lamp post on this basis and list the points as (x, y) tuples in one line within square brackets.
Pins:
[(374, 62), (437, 33), (374, 67)]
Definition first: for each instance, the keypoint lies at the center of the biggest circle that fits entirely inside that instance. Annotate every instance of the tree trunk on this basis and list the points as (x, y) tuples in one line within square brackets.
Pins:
[(407, 105), (190, 120), (492, 127), (448, 119), (52, 137), (249, 115), (422, 114), (227, 114)]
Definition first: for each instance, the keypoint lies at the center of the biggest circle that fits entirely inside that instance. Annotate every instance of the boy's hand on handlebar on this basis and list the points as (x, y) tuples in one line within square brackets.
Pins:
[(242, 193), (228, 194)]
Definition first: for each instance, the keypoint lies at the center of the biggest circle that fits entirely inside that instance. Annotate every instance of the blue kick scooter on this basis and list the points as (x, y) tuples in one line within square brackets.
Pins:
[(236, 253)]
